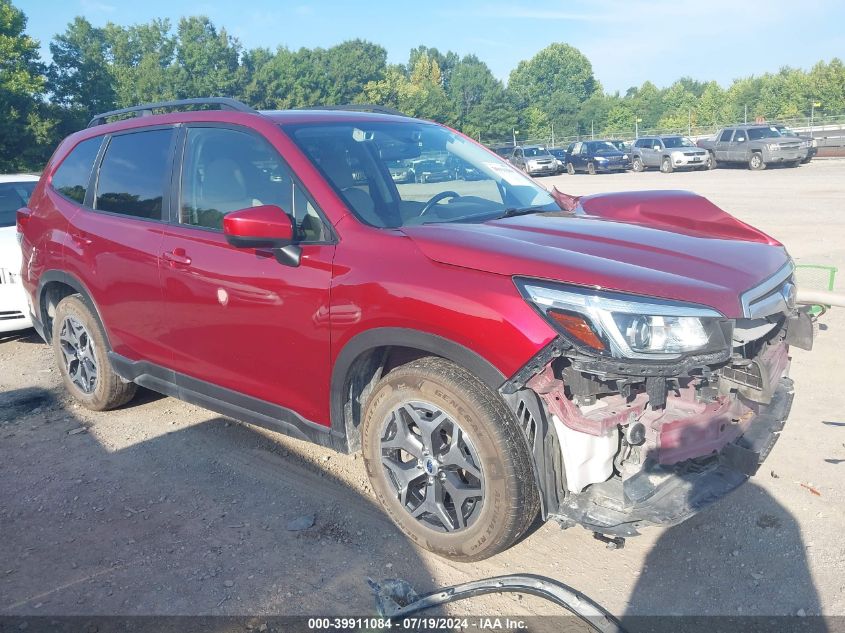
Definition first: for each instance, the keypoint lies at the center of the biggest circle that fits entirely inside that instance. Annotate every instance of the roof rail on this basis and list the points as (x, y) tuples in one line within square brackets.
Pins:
[(146, 109), (359, 107)]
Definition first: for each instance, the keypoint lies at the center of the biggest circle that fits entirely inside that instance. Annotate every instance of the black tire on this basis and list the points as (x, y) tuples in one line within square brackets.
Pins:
[(106, 390), (666, 165), (793, 163), (570, 169), (495, 440), (637, 164), (756, 162), (591, 169), (710, 161)]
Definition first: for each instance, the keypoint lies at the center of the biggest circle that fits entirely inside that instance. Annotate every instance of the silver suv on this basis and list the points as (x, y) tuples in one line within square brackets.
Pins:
[(755, 145), (668, 153)]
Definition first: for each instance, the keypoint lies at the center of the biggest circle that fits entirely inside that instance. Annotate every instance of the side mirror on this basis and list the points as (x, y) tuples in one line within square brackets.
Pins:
[(741, 139), (266, 226)]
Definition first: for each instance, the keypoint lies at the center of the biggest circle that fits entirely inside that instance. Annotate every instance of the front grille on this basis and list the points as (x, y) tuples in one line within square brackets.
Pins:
[(772, 296)]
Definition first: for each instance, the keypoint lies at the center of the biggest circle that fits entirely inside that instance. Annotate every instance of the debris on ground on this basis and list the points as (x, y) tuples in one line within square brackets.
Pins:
[(301, 523), (811, 489)]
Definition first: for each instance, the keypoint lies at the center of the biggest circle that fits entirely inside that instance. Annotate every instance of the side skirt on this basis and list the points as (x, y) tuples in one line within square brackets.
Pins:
[(226, 402)]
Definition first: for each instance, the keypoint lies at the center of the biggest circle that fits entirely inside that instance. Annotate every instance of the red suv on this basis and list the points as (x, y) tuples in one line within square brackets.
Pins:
[(495, 349)]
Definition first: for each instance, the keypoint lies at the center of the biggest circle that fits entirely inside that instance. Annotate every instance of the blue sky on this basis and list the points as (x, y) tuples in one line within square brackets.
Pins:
[(626, 41)]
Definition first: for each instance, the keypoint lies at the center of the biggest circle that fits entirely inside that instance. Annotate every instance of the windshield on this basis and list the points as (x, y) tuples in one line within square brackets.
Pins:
[(598, 147), (13, 196), (785, 131), (534, 152), (677, 141), (756, 133), (448, 179)]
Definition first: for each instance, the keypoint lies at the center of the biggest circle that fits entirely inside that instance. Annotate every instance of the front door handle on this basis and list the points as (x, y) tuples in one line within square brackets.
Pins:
[(177, 257)]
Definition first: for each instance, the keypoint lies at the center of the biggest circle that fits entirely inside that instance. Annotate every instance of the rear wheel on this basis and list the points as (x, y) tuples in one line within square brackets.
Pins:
[(570, 169), (666, 165), (756, 162), (81, 353), (447, 460), (637, 164)]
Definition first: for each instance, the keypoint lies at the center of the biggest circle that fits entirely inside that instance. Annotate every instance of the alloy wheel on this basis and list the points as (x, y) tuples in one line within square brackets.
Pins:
[(78, 355), (432, 466)]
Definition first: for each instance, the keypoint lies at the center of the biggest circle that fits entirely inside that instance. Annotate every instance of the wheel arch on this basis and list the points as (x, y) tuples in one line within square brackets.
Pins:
[(369, 355), (55, 285)]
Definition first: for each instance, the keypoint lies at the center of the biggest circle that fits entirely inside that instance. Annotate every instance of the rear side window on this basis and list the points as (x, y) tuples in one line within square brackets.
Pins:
[(135, 173), (72, 177)]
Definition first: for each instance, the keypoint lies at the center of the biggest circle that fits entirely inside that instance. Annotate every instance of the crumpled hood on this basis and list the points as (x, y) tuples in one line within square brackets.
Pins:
[(709, 263)]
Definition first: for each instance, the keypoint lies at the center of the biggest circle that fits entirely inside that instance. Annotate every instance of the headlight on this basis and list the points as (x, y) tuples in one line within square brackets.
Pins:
[(624, 156), (601, 159), (627, 326), (773, 147)]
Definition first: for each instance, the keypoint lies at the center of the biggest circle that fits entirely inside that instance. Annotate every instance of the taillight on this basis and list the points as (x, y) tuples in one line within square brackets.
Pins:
[(23, 215)]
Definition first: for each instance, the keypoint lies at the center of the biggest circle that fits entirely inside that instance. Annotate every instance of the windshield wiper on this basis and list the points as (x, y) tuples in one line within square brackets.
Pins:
[(514, 211)]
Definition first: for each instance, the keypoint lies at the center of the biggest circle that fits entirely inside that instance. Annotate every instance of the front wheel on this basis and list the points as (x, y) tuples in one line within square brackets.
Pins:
[(570, 169), (666, 165), (81, 353), (710, 161), (637, 164), (447, 460), (591, 169), (756, 162)]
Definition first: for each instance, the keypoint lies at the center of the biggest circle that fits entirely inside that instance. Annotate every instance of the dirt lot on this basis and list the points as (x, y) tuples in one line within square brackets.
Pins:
[(165, 508)]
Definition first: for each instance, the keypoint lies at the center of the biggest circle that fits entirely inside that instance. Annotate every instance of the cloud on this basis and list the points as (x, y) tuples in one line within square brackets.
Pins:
[(92, 6)]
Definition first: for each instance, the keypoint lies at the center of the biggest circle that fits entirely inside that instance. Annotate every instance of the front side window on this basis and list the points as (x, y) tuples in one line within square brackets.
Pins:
[(72, 176), (135, 173), (726, 136), (228, 170), (356, 159), (13, 196)]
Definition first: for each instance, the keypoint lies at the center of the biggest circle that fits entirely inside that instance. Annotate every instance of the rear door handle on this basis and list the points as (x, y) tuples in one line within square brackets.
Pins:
[(177, 257)]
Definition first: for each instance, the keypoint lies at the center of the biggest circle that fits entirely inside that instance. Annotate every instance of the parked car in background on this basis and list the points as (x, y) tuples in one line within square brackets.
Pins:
[(593, 157), (754, 145), (534, 160), (400, 171), (622, 146), (808, 142), (430, 170), (668, 153), (504, 151), (560, 158), (15, 190), (617, 365), (459, 169)]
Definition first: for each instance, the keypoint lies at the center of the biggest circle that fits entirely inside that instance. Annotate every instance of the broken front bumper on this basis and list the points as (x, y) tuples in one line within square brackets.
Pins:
[(669, 494)]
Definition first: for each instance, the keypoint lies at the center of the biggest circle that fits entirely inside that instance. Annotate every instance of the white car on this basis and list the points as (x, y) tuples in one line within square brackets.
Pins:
[(15, 190)]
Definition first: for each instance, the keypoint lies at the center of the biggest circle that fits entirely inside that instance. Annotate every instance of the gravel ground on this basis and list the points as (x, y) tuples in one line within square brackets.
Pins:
[(165, 508)]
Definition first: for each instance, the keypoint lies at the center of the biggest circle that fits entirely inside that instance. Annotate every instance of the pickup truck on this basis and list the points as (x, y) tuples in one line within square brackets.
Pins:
[(755, 145)]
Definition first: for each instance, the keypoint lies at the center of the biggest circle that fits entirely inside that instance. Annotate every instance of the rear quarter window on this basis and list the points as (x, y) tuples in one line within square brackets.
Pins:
[(72, 176)]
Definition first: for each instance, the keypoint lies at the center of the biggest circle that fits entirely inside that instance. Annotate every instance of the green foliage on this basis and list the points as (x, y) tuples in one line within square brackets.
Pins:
[(25, 127), (95, 69)]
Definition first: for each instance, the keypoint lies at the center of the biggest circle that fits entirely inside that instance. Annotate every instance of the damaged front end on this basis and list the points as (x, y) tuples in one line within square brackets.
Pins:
[(643, 412)]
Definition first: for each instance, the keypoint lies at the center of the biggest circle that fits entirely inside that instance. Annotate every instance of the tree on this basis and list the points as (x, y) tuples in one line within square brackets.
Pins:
[(207, 60), (141, 58), (80, 76), (349, 66), (26, 130), (423, 95), (557, 80)]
